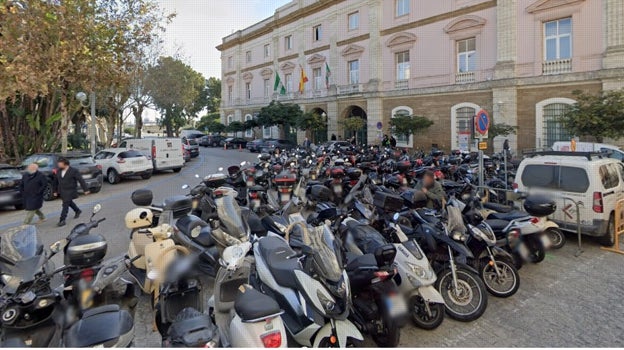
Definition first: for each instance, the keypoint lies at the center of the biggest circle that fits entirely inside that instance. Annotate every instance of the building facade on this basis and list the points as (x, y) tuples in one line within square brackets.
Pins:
[(520, 60)]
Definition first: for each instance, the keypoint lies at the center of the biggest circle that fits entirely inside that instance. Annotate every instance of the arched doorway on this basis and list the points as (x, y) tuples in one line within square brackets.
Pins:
[(361, 135), (319, 136)]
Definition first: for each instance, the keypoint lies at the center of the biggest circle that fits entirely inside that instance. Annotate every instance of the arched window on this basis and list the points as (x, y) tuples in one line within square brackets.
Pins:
[(402, 140), (461, 125), (248, 132), (230, 119), (548, 125)]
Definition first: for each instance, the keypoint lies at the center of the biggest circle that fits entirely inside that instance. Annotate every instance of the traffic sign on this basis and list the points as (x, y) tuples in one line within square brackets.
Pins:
[(482, 123), (379, 125), (483, 146)]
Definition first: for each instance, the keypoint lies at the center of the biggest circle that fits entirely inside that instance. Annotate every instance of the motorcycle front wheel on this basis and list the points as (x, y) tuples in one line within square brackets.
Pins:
[(423, 319), (468, 301), (504, 285)]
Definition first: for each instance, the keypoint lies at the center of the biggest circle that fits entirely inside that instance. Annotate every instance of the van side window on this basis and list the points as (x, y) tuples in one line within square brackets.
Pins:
[(573, 179), (567, 179), (609, 176)]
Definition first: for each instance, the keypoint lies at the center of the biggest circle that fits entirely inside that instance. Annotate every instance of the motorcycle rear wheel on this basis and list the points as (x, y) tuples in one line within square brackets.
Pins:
[(557, 237), (421, 318), (469, 302)]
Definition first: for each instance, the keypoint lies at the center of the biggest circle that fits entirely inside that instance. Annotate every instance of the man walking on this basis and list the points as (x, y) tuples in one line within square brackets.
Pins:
[(393, 141), (32, 187), (66, 187)]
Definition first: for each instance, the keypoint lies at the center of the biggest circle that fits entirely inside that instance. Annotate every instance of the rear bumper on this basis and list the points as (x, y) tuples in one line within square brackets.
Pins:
[(136, 173), (597, 228), (11, 197), (95, 182)]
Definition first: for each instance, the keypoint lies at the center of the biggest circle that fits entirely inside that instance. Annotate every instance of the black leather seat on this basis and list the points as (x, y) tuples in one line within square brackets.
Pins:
[(498, 226), (251, 305), (257, 188), (276, 252), (366, 261), (508, 216), (501, 208)]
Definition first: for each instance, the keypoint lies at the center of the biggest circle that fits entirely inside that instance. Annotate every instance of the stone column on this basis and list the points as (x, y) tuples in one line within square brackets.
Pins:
[(614, 17), (505, 110), (375, 115), (374, 46), (332, 119), (506, 24)]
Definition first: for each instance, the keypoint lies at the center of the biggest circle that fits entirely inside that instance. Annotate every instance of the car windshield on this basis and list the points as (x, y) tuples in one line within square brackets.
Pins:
[(192, 142), (19, 243), (327, 253), (9, 173), (42, 161), (81, 160)]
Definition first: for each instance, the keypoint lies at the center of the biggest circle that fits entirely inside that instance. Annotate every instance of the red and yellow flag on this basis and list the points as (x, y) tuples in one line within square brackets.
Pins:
[(302, 80)]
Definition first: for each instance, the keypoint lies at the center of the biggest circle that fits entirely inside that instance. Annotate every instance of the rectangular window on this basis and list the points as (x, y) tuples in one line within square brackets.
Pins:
[(559, 178), (288, 42), (403, 65), (318, 78), (317, 33), (354, 72), (467, 55), (229, 62), (289, 82), (558, 39), (402, 7), (230, 93), (354, 20), (248, 56), (267, 88), (248, 91), (267, 50)]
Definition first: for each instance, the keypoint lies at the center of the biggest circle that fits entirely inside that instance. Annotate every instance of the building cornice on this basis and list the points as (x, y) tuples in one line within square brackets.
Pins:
[(287, 58), (316, 50), (258, 66)]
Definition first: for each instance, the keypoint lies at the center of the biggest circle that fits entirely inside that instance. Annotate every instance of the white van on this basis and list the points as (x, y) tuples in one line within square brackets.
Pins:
[(613, 151), (592, 179), (166, 153)]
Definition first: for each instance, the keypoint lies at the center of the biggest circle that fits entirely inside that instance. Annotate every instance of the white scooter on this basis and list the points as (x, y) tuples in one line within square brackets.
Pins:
[(245, 317)]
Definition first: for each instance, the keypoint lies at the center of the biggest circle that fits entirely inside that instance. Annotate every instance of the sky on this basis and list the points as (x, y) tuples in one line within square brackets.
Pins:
[(201, 24)]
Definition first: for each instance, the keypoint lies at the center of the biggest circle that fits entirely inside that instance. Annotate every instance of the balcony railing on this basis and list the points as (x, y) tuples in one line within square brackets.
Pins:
[(465, 77), (401, 84), (557, 66), (350, 89)]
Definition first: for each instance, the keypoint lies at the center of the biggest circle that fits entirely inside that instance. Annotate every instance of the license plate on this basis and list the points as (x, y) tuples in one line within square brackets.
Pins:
[(6, 197), (195, 204), (137, 162), (546, 241), (396, 305), (87, 176), (338, 189), (250, 183), (285, 197)]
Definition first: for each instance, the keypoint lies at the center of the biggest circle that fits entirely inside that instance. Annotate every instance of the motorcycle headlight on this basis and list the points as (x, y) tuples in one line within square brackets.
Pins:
[(329, 304), (458, 236), (484, 233), (418, 270)]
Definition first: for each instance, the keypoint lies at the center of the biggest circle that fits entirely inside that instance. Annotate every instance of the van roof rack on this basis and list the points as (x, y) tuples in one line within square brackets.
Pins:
[(588, 155)]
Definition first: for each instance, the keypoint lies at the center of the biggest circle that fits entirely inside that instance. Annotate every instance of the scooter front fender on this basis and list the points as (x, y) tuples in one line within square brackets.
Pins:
[(429, 294), (344, 330)]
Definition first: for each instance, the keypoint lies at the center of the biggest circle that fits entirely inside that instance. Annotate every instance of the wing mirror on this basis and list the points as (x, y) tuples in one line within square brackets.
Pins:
[(58, 246), (97, 208), (185, 187)]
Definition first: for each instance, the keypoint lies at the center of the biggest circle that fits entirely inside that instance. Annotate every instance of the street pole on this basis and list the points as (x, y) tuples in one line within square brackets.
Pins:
[(93, 124), (481, 182)]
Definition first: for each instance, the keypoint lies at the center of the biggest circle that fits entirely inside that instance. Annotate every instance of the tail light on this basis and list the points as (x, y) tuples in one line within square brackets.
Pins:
[(514, 186), (54, 171), (120, 160), (272, 339), (87, 275), (598, 205), (381, 276), (253, 195), (535, 220), (99, 166), (153, 152)]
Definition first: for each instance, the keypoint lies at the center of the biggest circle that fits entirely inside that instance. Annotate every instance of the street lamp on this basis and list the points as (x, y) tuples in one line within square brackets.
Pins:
[(82, 97)]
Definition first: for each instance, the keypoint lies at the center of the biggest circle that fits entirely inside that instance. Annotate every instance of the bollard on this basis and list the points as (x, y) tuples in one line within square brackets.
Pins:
[(619, 228), (224, 146), (240, 148)]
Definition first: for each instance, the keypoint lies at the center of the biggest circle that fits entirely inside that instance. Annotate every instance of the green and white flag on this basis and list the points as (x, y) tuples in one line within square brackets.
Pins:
[(279, 85)]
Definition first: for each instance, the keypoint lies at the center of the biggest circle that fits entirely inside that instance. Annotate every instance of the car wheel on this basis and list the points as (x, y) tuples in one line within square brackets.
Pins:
[(146, 176), (608, 240), (19, 206), (96, 189), (112, 177), (48, 192), (214, 144), (177, 170)]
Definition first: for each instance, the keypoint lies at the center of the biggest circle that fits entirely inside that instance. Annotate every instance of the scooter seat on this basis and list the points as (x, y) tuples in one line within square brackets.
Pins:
[(356, 262), (508, 216), (251, 306), (501, 208), (89, 330), (276, 252), (498, 226), (192, 328)]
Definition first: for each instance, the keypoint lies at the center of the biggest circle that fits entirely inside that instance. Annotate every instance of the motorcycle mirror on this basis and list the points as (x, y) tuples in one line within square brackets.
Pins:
[(97, 208), (57, 246), (259, 156), (243, 163), (184, 187), (197, 176), (220, 169), (396, 217), (152, 275)]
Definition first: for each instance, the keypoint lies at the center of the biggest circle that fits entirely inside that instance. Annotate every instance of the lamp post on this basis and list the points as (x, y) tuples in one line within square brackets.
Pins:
[(82, 97)]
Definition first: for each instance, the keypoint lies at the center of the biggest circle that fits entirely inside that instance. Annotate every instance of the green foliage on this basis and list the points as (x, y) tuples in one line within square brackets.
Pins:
[(211, 123), (129, 131), (353, 124), (501, 129), (279, 114), (309, 121), (599, 116), (409, 124), (236, 126), (213, 94)]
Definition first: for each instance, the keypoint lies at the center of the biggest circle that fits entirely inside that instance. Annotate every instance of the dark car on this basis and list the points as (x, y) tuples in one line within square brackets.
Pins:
[(91, 172), (191, 146), (10, 179), (211, 140), (234, 142), (282, 145), (256, 145)]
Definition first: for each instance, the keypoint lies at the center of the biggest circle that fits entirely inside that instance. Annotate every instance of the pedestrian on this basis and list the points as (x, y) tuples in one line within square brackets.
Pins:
[(32, 188), (432, 189), (306, 143), (385, 142), (333, 137), (66, 186), (393, 141), (353, 142), (506, 149)]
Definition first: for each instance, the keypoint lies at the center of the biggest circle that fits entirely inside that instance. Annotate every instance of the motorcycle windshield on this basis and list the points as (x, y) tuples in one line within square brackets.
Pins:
[(229, 213), (19, 243), (23, 272), (328, 256)]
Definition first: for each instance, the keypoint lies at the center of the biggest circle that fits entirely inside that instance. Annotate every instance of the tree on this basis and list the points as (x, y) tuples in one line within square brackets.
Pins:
[(213, 94), (236, 126), (353, 124), (310, 121), (279, 114), (407, 125), (206, 121), (175, 88), (600, 116), (500, 129)]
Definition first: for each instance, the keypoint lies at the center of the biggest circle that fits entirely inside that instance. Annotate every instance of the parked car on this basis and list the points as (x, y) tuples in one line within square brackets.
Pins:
[(119, 163), (590, 178), (90, 171), (255, 145), (10, 180), (211, 140), (234, 142), (282, 145), (192, 146), (166, 153)]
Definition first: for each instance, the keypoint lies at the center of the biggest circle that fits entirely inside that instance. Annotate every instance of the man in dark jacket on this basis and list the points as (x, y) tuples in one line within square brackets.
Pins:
[(393, 141), (66, 187), (32, 187), (433, 190)]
